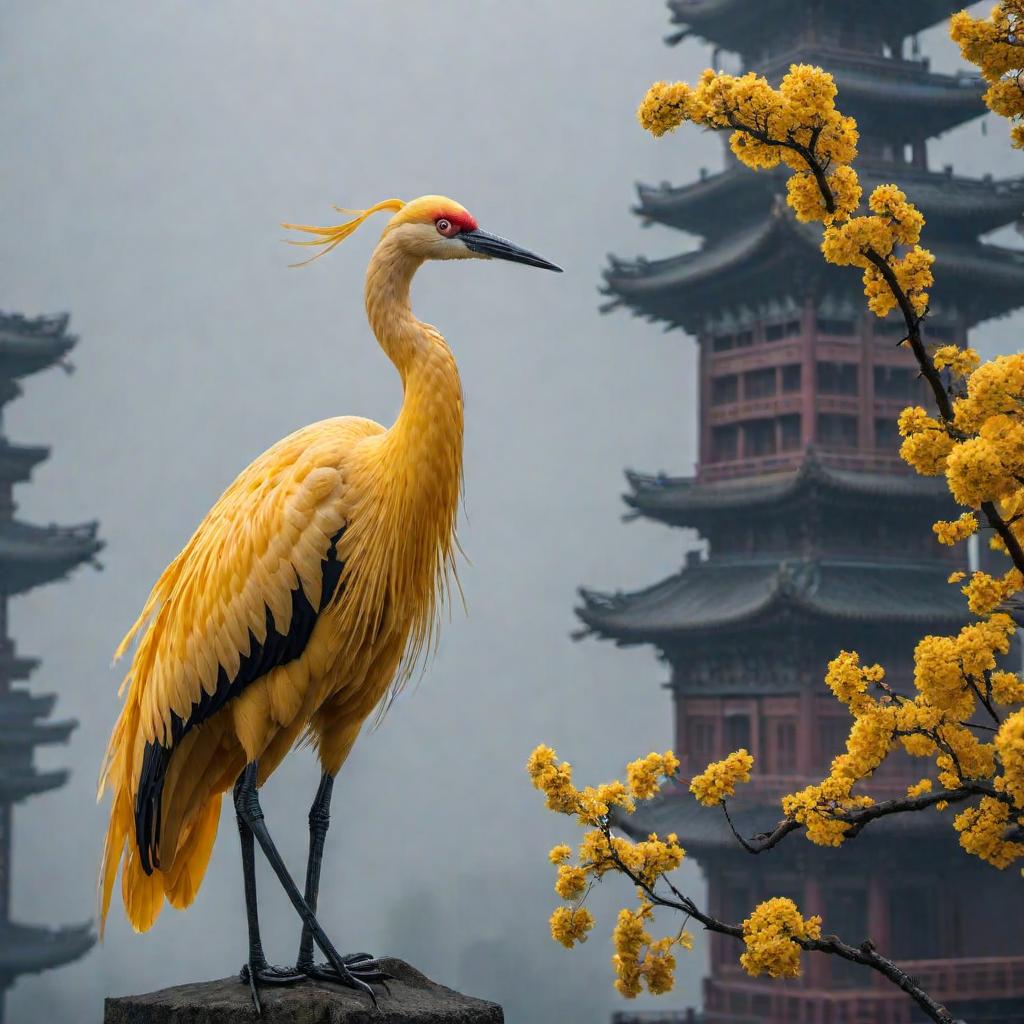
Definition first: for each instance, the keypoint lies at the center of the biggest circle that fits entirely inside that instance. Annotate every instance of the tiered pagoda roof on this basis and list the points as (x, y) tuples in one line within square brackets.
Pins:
[(33, 555), (689, 501), (983, 280), (26, 949), (951, 204), (732, 24), (30, 344), (734, 593), (29, 556)]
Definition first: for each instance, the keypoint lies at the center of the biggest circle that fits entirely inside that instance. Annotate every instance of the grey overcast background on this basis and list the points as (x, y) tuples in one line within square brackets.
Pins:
[(150, 151)]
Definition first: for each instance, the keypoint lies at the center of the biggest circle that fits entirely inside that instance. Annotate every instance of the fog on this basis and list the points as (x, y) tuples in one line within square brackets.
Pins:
[(151, 151)]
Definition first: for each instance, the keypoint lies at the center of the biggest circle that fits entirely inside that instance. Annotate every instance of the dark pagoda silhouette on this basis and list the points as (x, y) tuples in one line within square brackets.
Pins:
[(817, 537), (29, 556)]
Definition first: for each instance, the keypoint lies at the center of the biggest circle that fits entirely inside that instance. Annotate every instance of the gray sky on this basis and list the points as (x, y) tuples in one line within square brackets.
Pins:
[(152, 150)]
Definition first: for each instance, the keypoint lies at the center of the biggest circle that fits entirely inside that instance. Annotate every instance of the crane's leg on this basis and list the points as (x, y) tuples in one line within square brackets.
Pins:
[(256, 969), (355, 972), (319, 822)]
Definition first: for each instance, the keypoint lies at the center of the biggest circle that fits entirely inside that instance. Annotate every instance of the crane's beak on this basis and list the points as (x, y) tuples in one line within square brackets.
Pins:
[(492, 247)]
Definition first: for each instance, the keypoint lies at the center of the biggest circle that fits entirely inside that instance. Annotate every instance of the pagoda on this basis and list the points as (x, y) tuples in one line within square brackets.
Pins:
[(29, 556), (814, 535)]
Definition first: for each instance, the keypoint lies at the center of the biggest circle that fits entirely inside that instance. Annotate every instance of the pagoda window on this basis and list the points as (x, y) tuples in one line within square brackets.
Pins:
[(837, 378), (832, 735), (837, 431), (781, 752), (847, 915), (759, 383), (744, 339), (737, 732), (894, 382), (723, 342), (913, 923), (789, 431), (887, 435), (759, 438), (724, 443), (892, 328), (776, 332), (791, 377), (839, 328), (700, 743), (724, 389)]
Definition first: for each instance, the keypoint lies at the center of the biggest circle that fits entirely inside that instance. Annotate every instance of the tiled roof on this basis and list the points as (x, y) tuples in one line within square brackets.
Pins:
[(30, 555), (686, 501), (722, 593), (29, 344), (736, 24)]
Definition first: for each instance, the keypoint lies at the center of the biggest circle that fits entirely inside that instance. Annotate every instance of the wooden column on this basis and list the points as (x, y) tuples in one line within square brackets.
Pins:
[(808, 374), (878, 916), (866, 426), (704, 356)]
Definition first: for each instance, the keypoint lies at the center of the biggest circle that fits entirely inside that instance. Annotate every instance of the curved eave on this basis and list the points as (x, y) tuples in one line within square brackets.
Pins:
[(27, 950), (980, 279), (716, 597), (18, 461), (20, 783), (952, 206), (35, 734), (734, 24), (930, 106), (33, 555), (685, 501), (28, 345)]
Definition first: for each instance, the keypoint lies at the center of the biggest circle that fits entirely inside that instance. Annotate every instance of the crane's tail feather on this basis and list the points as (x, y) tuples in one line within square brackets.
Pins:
[(182, 880), (329, 238)]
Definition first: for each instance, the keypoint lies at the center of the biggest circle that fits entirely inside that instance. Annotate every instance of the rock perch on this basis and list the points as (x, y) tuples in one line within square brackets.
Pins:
[(413, 999)]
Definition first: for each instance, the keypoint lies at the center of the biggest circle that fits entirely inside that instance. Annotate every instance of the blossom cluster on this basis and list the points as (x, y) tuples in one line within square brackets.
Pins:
[(770, 935), (720, 778), (996, 45), (640, 960), (798, 125)]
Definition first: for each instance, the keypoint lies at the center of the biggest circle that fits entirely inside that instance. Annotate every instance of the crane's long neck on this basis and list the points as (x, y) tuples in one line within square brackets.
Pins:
[(424, 445)]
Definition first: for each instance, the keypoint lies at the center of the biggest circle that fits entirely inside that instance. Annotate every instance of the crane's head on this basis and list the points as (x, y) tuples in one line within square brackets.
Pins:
[(429, 228)]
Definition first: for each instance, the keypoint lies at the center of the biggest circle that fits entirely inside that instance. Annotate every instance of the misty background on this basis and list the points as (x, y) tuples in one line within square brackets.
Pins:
[(150, 152)]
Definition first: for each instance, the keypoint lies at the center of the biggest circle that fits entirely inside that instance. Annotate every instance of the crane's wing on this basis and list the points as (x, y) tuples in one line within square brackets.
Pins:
[(241, 598)]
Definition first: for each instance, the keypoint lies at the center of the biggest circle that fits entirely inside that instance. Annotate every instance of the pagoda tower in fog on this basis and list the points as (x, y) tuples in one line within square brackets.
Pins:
[(29, 557), (815, 535)]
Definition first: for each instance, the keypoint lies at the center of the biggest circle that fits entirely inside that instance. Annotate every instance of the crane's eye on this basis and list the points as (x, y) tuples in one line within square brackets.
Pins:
[(445, 227)]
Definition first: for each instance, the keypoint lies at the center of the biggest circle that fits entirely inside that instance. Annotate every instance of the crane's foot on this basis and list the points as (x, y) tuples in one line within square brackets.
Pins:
[(359, 970), (255, 975)]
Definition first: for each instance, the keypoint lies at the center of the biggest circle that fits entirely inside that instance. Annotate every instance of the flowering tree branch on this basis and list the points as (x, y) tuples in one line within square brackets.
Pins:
[(865, 954), (860, 817)]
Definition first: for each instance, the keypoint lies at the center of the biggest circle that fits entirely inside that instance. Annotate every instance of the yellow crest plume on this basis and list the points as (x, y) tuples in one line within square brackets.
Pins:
[(330, 237)]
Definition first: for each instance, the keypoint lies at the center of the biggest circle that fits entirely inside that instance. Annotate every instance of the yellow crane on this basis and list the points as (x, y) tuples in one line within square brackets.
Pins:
[(301, 603)]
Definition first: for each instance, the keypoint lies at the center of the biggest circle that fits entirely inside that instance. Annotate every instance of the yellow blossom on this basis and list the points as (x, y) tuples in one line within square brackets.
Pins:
[(720, 778), (1010, 745), (950, 533), (560, 854), (570, 925), (961, 361), (993, 44), (572, 882), (769, 935), (642, 775), (919, 788), (981, 831), (664, 107)]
